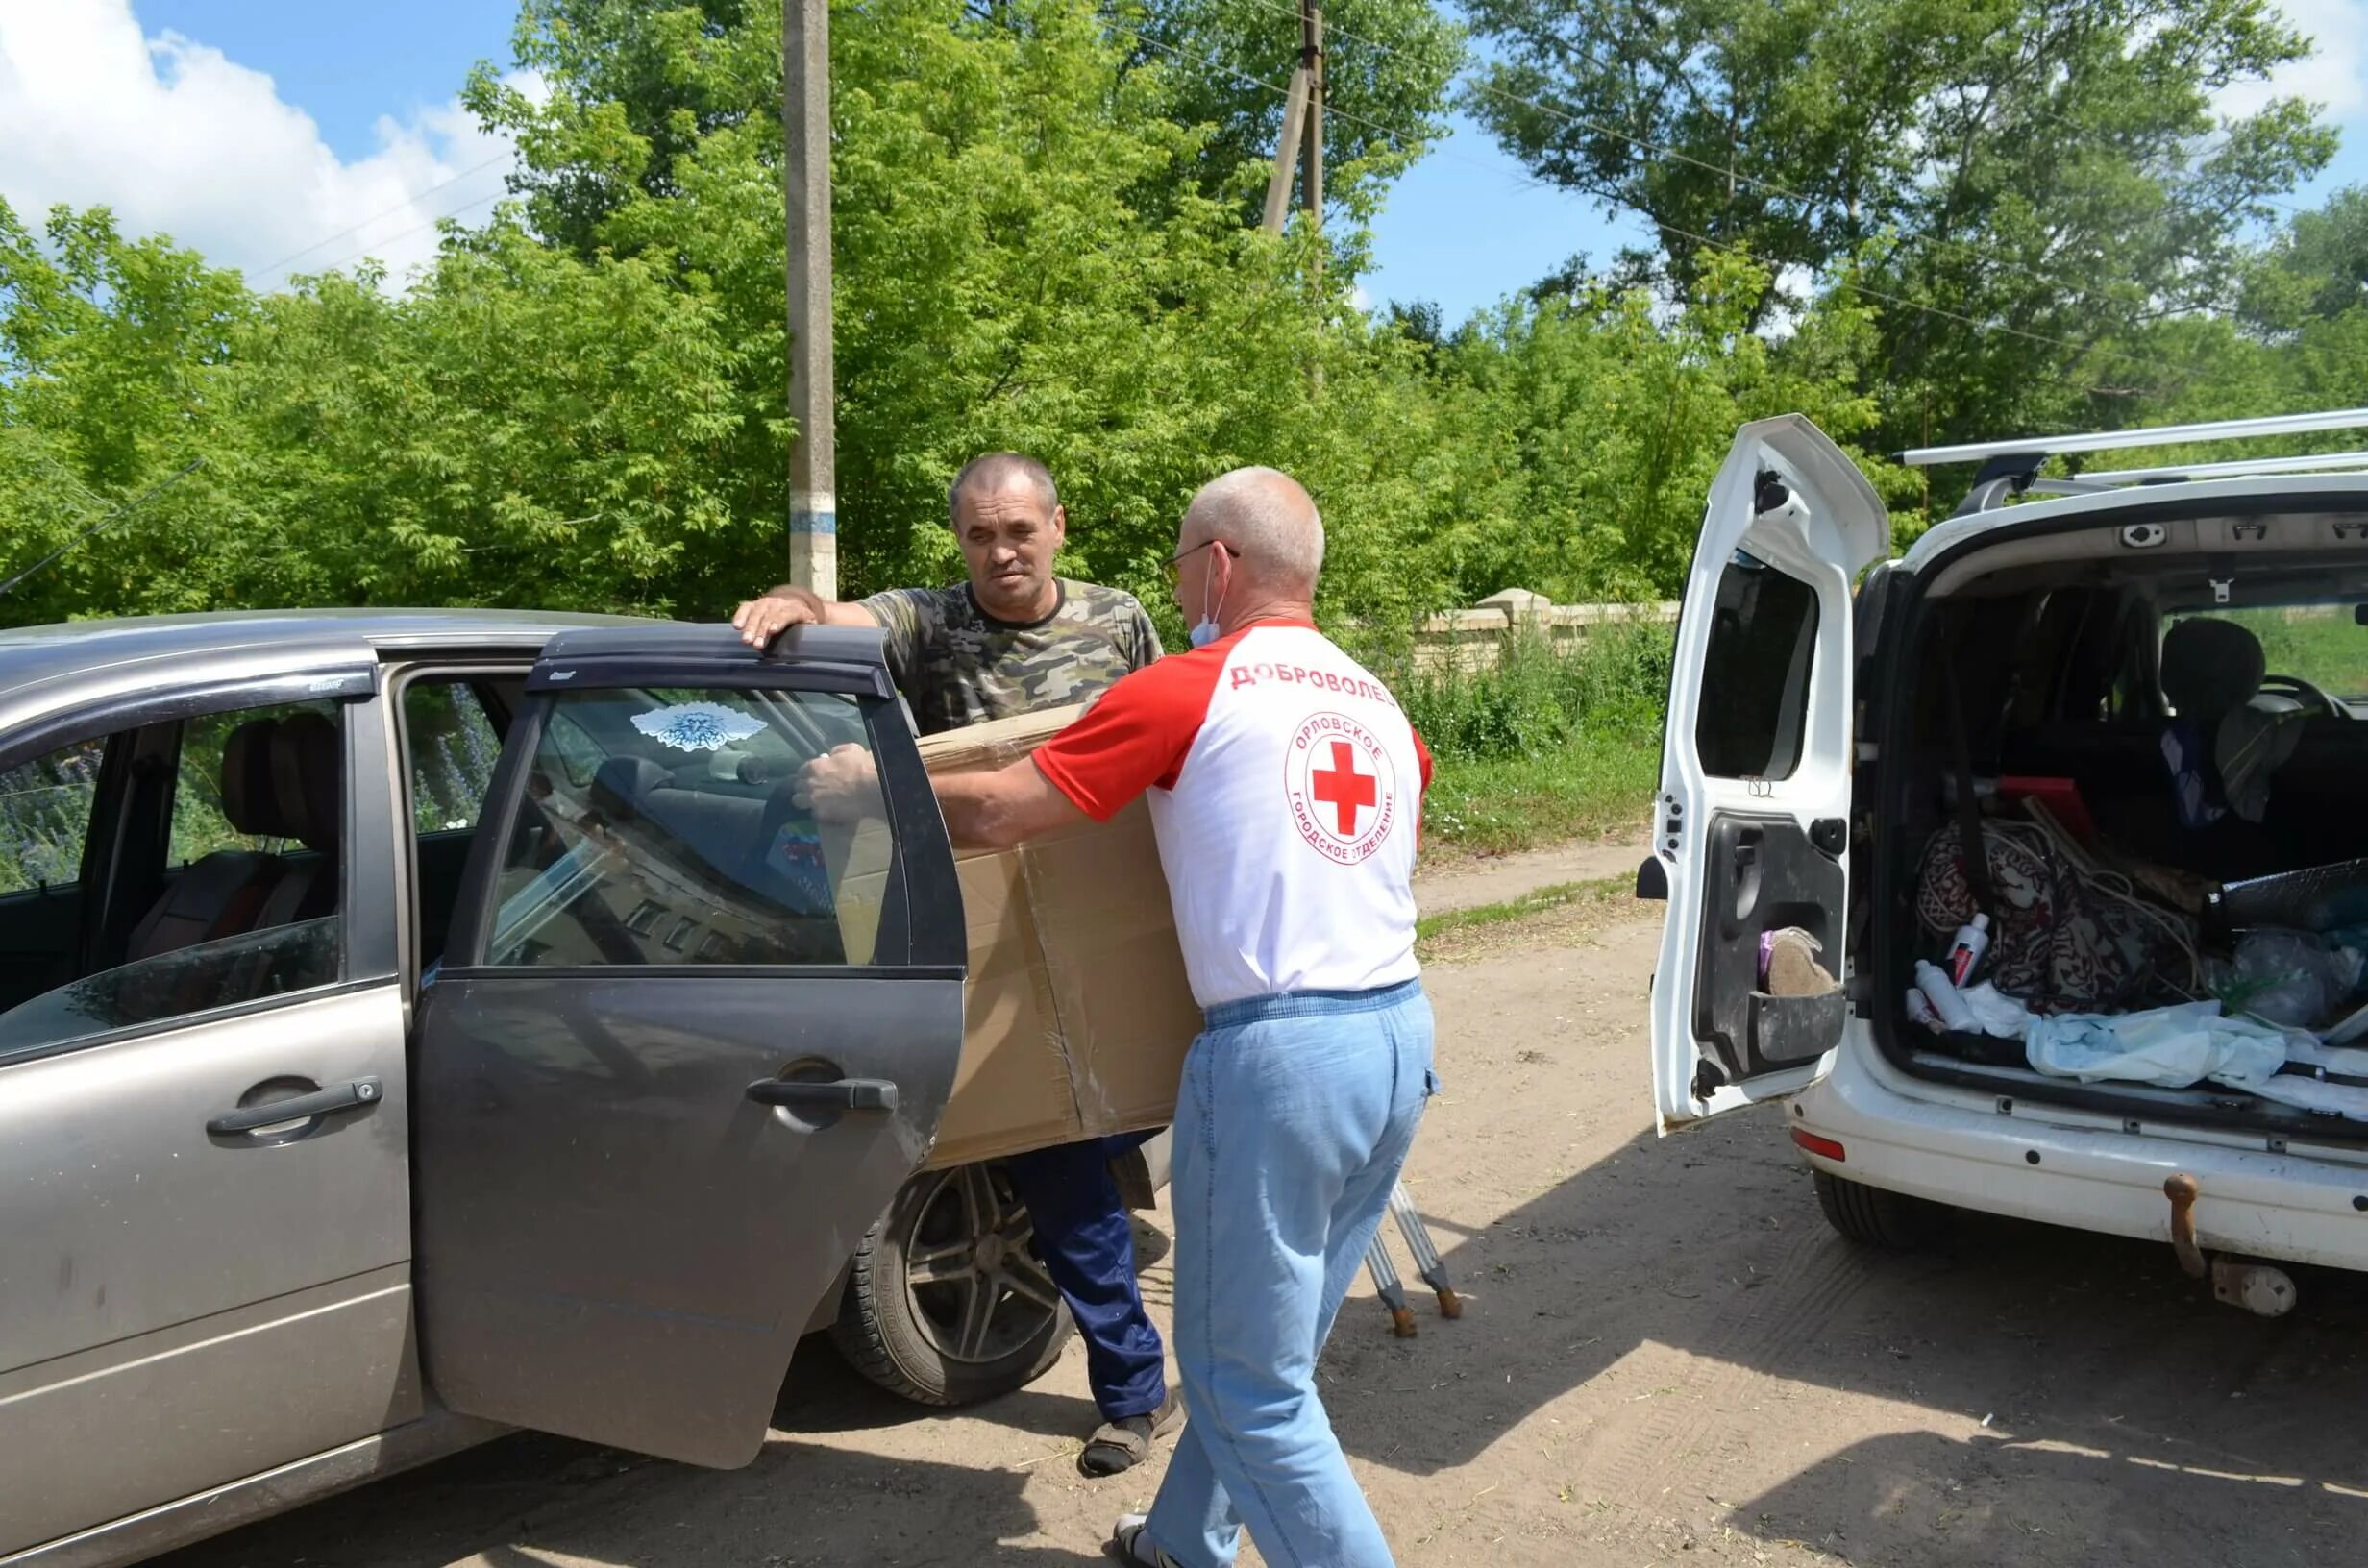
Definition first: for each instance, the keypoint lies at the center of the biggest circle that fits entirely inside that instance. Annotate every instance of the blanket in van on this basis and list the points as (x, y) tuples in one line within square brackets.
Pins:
[(2056, 944)]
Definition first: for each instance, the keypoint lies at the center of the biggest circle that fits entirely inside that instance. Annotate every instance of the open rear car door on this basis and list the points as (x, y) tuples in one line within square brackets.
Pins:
[(688, 1041), (1751, 833)]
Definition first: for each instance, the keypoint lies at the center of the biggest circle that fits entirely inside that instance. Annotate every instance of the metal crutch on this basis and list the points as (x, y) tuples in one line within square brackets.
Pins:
[(1393, 1293), (1427, 1265)]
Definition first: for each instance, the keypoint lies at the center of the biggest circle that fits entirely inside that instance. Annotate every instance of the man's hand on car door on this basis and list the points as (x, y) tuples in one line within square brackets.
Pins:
[(840, 786), (759, 621)]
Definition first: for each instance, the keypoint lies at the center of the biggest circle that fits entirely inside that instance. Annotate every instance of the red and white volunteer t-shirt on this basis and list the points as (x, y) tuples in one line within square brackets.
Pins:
[(1286, 788)]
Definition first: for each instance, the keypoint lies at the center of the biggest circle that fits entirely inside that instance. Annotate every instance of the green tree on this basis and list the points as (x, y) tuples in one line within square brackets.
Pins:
[(1586, 427), (1388, 69), (2047, 179), (2316, 269), (523, 427), (1002, 278)]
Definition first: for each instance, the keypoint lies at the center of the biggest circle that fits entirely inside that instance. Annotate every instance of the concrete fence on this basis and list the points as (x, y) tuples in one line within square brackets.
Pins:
[(1473, 639)]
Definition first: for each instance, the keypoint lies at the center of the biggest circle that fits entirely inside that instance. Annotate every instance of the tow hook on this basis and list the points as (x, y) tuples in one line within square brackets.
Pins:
[(2263, 1289)]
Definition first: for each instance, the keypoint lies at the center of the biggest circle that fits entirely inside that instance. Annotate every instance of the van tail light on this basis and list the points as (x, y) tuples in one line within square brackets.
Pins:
[(1824, 1148)]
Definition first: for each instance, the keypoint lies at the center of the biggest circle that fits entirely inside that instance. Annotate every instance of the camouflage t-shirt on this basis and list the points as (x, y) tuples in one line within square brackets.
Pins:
[(958, 665)]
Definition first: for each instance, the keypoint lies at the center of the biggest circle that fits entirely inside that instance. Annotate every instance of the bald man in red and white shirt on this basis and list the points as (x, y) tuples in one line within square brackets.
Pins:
[(1285, 789)]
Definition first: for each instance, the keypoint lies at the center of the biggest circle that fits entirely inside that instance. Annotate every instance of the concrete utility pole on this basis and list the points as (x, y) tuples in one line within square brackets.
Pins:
[(805, 179), (1302, 139)]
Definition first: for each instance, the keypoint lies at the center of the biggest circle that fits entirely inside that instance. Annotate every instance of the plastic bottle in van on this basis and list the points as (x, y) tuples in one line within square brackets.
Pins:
[(1965, 952)]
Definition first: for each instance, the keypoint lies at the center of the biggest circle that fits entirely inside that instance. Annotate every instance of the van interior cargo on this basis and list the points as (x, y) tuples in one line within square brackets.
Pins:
[(2165, 759)]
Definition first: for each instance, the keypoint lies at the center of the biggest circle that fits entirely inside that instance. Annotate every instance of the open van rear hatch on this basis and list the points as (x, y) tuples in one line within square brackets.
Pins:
[(2040, 628)]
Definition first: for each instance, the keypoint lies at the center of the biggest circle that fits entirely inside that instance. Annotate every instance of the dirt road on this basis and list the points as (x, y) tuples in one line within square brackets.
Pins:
[(1667, 1358)]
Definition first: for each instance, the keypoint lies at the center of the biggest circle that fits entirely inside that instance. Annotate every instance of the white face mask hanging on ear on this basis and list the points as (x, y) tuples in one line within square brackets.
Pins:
[(1204, 630)]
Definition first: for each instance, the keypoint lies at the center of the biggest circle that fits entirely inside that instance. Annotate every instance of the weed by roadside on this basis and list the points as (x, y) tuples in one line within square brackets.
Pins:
[(1581, 790), (1547, 745), (1565, 910)]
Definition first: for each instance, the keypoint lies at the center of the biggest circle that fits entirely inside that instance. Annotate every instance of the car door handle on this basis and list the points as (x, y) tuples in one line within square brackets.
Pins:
[(353, 1097), (831, 1094)]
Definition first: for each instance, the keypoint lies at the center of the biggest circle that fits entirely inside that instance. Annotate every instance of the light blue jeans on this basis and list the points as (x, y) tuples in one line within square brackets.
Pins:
[(1294, 1120)]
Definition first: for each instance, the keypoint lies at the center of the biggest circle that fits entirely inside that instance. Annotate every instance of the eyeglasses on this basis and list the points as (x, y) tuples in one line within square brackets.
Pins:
[(1175, 562)]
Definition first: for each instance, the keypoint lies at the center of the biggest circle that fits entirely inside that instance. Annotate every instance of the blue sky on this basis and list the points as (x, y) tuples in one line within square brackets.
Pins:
[(347, 62), (277, 135)]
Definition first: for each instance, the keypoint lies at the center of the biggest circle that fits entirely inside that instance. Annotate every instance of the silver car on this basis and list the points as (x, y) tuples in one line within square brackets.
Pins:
[(419, 1025)]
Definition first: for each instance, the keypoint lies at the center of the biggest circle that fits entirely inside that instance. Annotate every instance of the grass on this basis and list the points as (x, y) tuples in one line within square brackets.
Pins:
[(1548, 744), (1571, 906), (1583, 789)]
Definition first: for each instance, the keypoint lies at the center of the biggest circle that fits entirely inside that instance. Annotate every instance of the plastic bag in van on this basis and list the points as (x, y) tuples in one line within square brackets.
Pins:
[(2290, 978)]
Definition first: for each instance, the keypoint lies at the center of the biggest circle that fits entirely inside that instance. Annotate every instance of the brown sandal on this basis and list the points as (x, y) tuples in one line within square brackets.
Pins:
[(1119, 1446)]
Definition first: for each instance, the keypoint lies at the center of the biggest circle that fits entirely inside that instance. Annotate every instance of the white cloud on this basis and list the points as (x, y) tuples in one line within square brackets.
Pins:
[(179, 140), (2335, 76)]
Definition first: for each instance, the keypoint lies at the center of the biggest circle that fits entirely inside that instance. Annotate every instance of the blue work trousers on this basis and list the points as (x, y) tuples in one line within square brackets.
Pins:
[(1087, 1244)]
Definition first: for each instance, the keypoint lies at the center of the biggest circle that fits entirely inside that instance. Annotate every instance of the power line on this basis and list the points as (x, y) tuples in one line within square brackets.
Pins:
[(1734, 175), (1403, 139), (2036, 110), (119, 514), (402, 205), (405, 234)]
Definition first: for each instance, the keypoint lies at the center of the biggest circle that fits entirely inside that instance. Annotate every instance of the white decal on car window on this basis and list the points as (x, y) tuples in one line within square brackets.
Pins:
[(696, 727)]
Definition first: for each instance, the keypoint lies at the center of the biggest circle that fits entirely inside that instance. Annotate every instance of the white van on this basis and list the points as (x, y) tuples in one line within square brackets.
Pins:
[(1820, 741)]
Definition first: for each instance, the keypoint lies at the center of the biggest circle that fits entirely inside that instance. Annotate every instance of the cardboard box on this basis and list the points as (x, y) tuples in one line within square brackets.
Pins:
[(1077, 1013)]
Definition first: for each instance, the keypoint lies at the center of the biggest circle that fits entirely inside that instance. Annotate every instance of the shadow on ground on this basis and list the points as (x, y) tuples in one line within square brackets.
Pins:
[(2115, 1387), (525, 1500), (2131, 1419)]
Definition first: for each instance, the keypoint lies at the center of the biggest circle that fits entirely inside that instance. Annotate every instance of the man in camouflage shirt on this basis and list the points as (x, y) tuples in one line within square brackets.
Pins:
[(1014, 639), (959, 663)]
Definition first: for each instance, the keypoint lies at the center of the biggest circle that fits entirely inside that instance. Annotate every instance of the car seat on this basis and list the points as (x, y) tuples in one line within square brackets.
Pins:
[(2222, 750), (222, 893), (308, 769)]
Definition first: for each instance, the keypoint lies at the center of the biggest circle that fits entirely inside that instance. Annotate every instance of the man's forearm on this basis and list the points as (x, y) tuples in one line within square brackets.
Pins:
[(999, 808), (830, 612)]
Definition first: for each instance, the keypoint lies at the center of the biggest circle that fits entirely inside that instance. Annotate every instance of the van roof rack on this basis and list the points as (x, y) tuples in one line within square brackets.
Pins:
[(2013, 467)]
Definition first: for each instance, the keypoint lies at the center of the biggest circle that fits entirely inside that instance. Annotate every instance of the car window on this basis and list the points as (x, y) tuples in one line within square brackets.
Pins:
[(1756, 669), (573, 751), (453, 751), (45, 817), (248, 905), (202, 825), (2321, 644), (689, 843)]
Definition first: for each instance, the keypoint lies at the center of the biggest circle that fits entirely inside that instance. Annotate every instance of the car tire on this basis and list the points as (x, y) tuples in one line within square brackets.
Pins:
[(912, 1320), (1873, 1217)]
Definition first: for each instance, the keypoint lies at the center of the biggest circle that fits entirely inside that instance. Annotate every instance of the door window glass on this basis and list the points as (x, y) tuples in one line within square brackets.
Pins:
[(690, 841), (252, 914), (211, 799), (45, 817), (1754, 714)]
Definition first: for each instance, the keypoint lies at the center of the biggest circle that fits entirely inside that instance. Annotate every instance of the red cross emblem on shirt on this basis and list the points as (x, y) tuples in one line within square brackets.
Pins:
[(1344, 788)]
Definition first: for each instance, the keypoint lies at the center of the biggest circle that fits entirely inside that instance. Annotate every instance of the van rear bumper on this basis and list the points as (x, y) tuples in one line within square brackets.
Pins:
[(2296, 1208)]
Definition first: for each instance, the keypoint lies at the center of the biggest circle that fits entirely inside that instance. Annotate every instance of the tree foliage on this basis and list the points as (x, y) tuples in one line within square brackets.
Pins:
[(2048, 176), (1914, 223)]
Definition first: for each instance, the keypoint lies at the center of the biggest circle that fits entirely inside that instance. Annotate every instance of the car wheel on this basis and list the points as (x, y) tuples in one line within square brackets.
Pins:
[(946, 1304), (1873, 1217)]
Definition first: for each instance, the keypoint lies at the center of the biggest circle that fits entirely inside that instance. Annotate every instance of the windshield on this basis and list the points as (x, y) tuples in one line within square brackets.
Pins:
[(2324, 645)]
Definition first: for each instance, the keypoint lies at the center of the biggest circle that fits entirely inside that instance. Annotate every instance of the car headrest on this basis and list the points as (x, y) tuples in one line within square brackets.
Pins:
[(2210, 668), (249, 798), (623, 783), (308, 765)]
